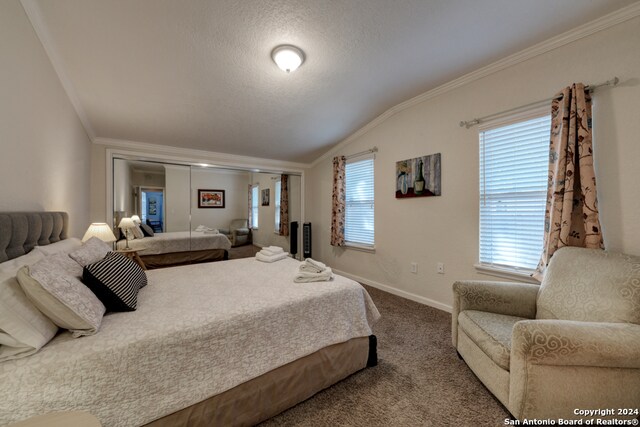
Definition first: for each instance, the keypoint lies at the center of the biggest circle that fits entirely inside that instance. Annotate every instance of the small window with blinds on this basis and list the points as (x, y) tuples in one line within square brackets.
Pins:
[(514, 162), (276, 197), (359, 207), (255, 194)]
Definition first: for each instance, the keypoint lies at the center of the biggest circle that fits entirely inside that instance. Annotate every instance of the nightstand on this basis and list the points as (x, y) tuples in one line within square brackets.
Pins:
[(132, 254)]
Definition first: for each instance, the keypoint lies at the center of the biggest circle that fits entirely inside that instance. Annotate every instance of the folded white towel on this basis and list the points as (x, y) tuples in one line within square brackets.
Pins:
[(271, 258), (214, 231), (312, 266), (203, 228), (304, 277), (272, 250)]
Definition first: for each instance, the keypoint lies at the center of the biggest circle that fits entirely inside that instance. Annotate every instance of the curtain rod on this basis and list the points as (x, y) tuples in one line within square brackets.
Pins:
[(370, 150), (590, 88)]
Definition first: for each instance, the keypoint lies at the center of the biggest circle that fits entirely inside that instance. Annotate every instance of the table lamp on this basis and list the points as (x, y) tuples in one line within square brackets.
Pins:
[(100, 230), (136, 219)]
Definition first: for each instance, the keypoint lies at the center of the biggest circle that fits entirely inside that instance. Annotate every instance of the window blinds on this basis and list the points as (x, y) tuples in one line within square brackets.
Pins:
[(359, 206), (255, 190), (514, 161), (276, 197)]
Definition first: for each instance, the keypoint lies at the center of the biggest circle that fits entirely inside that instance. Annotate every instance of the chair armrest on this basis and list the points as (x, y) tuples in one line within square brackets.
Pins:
[(224, 231), (241, 231), (571, 343), (558, 365), (512, 299)]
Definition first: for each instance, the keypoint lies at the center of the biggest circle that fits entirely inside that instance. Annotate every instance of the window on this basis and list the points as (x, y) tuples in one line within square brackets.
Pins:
[(277, 203), (514, 162), (359, 209), (255, 198)]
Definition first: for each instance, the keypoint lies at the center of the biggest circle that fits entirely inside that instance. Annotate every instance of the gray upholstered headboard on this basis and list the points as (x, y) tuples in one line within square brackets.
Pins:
[(21, 231)]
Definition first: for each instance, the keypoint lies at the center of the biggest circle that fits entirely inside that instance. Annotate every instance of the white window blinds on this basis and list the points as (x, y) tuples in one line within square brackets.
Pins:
[(359, 209), (255, 190), (514, 161), (276, 196)]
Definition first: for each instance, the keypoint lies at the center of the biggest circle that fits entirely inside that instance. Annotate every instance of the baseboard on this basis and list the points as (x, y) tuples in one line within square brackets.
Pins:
[(395, 291)]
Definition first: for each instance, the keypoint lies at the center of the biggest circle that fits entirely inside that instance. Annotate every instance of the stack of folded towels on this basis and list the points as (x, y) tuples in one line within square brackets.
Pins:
[(206, 230), (313, 271), (271, 254)]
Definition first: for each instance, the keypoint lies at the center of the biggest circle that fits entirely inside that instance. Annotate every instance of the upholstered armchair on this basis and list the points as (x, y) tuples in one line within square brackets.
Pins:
[(238, 232), (571, 343)]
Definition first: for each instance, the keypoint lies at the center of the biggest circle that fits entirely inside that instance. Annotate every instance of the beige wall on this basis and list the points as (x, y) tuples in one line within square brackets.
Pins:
[(445, 229), (44, 150)]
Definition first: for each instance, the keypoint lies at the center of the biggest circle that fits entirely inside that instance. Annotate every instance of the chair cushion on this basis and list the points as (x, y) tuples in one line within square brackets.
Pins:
[(241, 231), (491, 332), (591, 285)]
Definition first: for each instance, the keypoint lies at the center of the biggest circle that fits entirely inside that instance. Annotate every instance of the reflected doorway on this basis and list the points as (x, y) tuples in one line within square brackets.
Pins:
[(152, 207)]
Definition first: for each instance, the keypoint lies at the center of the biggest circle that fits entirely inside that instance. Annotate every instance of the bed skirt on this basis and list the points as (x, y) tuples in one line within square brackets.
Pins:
[(183, 258), (269, 394)]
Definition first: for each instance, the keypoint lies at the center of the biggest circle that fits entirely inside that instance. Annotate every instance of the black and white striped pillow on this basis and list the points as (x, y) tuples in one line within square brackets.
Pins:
[(116, 281)]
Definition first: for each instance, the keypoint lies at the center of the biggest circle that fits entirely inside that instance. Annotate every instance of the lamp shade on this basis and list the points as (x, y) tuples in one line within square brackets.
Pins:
[(100, 230), (136, 219), (287, 57), (126, 223)]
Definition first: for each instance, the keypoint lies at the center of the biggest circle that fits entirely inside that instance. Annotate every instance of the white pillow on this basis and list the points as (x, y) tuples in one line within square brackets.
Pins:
[(23, 328), (11, 267), (137, 232), (92, 250), (66, 246), (53, 287)]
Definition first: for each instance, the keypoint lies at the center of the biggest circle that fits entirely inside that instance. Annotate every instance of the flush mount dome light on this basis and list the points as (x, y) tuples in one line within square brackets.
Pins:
[(287, 57)]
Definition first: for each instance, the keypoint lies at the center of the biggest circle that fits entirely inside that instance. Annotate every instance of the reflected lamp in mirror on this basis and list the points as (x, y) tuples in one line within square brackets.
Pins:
[(136, 219), (100, 230), (126, 224)]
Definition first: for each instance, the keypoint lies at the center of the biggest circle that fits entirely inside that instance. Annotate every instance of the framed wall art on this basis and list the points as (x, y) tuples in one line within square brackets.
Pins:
[(418, 177), (211, 198)]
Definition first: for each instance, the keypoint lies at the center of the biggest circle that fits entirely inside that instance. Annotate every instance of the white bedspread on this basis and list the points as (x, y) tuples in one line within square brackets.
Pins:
[(177, 241), (199, 330)]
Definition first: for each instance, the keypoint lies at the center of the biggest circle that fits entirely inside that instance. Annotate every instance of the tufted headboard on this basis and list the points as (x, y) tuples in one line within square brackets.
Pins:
[(21, 231)]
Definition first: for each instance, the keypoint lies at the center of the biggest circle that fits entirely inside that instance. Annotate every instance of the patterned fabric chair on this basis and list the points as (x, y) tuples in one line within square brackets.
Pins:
[(571, 343), (238, 232)]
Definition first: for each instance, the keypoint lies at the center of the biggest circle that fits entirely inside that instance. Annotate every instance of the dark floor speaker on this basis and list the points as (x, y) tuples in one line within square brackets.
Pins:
[(306, 240), (293, 238)]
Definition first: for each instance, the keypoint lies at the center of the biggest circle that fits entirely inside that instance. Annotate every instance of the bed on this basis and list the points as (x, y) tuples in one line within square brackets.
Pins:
[(231, 343), (179, 248)]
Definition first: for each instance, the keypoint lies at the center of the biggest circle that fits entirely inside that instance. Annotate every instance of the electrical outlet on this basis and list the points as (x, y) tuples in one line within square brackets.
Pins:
[(414, 267), (440, 268)]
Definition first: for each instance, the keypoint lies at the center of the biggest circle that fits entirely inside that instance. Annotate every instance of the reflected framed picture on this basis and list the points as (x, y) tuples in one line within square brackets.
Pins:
[(265, 197), (211, 198)]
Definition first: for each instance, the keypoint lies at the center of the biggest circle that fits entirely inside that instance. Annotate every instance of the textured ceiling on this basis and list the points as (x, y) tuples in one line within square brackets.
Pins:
[(198, 73)]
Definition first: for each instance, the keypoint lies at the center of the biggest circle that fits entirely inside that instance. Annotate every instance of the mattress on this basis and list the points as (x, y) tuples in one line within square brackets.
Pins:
[(199, 330), (177, 241)]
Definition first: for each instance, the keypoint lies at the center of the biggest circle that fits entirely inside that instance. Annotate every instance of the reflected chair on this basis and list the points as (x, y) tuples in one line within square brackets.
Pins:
[(238, 232)]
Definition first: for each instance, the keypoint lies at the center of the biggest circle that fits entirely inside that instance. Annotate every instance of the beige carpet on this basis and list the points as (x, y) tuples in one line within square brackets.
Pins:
[(419, 380)]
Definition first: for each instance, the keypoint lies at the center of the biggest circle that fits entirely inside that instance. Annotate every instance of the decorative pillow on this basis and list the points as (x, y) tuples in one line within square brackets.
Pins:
[(146, 230), (116, 281), (11, 267), (137, 232), (23, 328), (61, 296), (91, 251), (66, 246)]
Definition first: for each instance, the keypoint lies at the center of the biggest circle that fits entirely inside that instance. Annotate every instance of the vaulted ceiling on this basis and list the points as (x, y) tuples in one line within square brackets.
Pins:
[(198, 73)]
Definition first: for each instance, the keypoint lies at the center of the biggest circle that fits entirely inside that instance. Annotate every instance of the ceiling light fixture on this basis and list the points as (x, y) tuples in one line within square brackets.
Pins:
[(287, 57)]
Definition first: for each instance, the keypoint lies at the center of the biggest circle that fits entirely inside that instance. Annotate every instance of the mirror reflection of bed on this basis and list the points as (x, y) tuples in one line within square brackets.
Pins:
[(164, 196)]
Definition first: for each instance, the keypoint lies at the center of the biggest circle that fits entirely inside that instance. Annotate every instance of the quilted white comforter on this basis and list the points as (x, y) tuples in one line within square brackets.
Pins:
[(177, 241), (199, 330)]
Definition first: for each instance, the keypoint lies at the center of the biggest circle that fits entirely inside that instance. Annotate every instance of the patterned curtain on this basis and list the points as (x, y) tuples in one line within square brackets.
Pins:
[(571, 215), (284, 205), (250, 215), (338, 209)]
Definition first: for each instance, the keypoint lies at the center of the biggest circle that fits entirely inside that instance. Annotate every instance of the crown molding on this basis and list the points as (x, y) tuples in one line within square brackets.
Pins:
[(190, 155), (32, 10), (614, 18)]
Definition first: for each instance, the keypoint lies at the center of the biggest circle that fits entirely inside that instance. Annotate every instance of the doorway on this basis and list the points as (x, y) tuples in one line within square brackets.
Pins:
[(152, 207)]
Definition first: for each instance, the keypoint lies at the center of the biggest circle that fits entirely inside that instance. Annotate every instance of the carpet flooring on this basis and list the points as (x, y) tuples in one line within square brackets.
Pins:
[(419, 380), (245, 251)]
